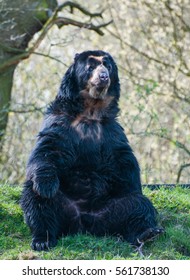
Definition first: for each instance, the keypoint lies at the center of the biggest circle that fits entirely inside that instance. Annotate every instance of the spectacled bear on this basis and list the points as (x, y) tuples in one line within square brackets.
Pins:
[(82, 175)]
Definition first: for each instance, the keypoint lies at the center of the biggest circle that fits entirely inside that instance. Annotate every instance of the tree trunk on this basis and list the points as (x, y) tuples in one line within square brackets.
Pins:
[(6, 80), (19, 21)]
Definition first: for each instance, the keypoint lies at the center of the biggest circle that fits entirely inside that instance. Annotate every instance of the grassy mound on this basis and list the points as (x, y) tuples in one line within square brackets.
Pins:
[(174, 215)]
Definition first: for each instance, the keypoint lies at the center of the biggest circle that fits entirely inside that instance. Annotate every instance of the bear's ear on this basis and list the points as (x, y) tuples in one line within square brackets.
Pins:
[(68, 87), (76, 57)]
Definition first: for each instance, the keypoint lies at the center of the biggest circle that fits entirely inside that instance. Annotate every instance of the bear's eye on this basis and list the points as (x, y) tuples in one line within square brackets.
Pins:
[(90, 68), (109, 67)]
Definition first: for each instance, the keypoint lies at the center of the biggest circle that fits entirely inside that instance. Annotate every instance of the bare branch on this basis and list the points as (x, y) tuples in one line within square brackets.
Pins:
[(176, 94), (51, 57), (180, 171), (26, 111), (61, 21), (80, 8)]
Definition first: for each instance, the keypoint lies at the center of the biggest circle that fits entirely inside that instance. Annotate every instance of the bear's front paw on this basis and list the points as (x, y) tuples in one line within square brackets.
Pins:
[(46, 186), (40, 245)]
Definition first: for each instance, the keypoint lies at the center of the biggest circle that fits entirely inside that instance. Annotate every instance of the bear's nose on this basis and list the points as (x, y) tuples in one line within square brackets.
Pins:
[(103, 76)]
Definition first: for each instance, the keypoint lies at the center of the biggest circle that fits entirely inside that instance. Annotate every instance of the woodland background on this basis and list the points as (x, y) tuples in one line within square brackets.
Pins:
[(149, 40)]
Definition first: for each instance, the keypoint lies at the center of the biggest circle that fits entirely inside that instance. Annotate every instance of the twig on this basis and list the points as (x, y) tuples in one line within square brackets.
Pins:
[(26, 111), (51, 57), (139, 248), (181, 169), (80, 8)]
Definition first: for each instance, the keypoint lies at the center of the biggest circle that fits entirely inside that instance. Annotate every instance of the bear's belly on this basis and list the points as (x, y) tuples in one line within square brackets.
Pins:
[(88, 189)]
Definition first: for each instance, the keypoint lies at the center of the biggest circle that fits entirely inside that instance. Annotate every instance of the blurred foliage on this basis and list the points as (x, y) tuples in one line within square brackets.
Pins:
[(150, 41)]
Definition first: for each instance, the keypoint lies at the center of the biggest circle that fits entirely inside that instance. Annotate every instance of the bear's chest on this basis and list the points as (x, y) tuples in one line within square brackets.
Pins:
[(89, 123), (89, 129)]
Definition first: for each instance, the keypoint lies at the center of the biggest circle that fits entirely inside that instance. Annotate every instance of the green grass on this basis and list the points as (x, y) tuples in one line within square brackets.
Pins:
[(174, 214)]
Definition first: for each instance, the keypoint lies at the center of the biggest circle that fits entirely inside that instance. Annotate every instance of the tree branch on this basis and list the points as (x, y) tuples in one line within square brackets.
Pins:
[(80, 8), (27, 111), (176, 94), (181, 169), (51, 57), (60, 21)]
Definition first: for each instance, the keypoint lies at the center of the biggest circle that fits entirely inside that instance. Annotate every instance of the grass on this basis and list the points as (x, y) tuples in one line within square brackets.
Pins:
[(174, 215)]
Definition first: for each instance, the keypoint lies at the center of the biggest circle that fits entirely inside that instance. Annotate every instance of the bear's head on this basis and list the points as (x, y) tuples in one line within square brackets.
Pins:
[(93, 74)]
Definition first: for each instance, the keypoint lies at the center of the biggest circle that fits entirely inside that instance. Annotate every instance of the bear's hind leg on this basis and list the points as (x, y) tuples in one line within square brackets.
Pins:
[(141, 220), (149, 234), (133, 217)]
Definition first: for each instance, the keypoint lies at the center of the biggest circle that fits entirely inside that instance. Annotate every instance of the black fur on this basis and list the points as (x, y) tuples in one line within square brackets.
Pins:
[(82, 175)]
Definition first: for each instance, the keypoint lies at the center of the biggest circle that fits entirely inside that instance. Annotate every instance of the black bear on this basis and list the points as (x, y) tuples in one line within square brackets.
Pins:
[(82, 175)]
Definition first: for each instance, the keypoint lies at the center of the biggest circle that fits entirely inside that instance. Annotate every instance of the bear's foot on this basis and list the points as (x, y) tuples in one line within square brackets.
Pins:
[(149, 234), (41, 245)]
